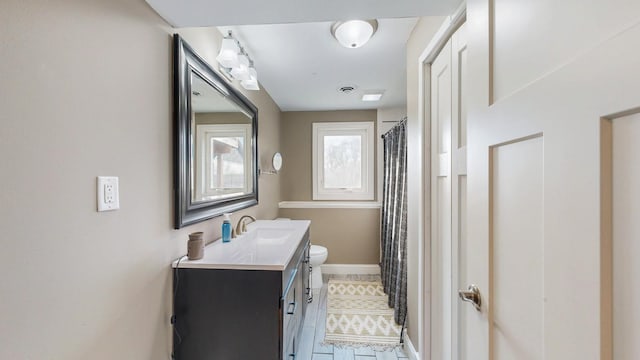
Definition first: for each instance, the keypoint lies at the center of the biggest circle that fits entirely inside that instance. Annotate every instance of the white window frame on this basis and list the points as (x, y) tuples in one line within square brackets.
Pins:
[(363, 129), (204, 133)]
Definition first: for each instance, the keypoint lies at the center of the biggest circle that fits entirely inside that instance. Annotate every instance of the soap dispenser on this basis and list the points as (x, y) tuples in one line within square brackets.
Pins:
[(226, 228)]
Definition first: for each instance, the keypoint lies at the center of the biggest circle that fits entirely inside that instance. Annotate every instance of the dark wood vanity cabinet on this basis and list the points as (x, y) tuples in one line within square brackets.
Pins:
[(230, 314)]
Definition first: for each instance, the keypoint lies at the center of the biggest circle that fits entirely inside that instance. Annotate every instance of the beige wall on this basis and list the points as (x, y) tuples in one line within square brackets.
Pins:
[(350, 235), (86, 90), (296, 147), (358, 242), (418, 41)]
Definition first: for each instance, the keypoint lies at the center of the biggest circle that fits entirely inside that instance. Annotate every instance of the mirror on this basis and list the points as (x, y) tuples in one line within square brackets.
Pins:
[(215, 154), (276, 161)]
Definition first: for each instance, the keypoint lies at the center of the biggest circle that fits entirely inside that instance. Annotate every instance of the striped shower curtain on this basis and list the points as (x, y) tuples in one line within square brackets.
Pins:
[(393, 247)]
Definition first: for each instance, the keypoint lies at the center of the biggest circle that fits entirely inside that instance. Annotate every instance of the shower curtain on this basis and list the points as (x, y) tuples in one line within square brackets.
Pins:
[(393, 246)]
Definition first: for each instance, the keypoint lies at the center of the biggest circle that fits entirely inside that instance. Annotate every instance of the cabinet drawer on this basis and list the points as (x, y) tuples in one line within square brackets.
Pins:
[(291, 350), (292, 308), (295, 260)]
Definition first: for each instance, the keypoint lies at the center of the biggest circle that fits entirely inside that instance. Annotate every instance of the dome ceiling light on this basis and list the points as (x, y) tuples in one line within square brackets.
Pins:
[(354, 33)]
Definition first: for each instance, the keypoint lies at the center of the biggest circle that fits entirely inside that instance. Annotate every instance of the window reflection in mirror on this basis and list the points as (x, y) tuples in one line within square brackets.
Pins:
[(221, 165)]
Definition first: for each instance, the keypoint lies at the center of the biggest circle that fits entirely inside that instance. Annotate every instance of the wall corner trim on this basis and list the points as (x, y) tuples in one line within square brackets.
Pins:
[(409, 349), (329, 205), (351, 269)]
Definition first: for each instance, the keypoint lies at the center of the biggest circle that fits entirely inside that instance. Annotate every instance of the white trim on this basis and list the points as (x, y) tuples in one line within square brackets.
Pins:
[(351, 269), (409, 349), (204, 134), (362, 129), (329, 205), (448, 27), (427, 56)]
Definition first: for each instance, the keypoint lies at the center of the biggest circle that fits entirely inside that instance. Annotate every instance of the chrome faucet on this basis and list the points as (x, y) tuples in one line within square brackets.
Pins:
[(241, 227)]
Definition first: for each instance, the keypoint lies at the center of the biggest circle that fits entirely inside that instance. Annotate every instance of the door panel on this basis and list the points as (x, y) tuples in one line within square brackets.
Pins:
[(626, 238), (519, 54), (516, 250), (463, 275)]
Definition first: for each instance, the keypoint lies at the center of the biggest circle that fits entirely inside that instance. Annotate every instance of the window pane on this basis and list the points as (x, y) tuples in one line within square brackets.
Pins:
[(227, 163), (342, 162)]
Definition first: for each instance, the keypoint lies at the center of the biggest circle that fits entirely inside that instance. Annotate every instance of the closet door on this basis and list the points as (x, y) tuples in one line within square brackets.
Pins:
[(448, 194), (448, 189), (459, 248), (441, 287)]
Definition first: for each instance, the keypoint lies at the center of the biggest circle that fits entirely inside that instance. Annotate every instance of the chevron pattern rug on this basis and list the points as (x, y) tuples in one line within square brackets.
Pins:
[(358, 315)]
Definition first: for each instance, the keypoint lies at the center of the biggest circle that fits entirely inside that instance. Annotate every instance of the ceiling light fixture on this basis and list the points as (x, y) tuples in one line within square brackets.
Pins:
[(354, 33), (236, 64), (372, 97)]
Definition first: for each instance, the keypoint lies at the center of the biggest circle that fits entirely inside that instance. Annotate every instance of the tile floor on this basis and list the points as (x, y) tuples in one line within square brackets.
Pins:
[(311, 347)]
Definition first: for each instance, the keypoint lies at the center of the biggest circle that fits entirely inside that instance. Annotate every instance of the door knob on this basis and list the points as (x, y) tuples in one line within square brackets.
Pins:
[(472, 295)]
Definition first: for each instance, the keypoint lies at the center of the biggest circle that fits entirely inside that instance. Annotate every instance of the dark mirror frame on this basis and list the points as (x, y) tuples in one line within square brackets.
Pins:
[(187, 212)]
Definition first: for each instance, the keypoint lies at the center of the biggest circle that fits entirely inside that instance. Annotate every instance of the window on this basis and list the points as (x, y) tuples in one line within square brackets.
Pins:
[(343, 161), (223, 171)]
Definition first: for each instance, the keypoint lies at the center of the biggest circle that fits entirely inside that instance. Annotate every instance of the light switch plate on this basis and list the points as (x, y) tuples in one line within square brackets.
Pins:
[(108, 193)]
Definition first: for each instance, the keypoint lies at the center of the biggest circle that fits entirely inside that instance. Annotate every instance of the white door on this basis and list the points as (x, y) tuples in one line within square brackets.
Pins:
[(448, 189), (459, 248), (542, 75), (441, 289)]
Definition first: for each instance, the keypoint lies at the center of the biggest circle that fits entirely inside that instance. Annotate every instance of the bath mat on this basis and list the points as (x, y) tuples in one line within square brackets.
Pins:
[(358, 315)]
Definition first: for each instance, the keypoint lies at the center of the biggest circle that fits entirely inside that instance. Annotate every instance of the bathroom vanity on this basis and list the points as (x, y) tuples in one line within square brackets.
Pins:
[(245, 299)]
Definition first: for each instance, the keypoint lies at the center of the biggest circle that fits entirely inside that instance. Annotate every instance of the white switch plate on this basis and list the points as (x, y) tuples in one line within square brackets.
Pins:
[(108, 193)]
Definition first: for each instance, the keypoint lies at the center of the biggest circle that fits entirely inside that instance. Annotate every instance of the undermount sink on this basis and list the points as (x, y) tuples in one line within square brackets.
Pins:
[(267, 244), (266, 236)]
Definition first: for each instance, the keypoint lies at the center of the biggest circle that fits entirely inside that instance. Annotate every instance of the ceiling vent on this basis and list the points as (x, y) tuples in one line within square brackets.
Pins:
[(347, 89)]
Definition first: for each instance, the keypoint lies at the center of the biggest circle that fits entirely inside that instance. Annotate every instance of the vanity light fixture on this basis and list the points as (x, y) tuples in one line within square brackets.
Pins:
[(252, 82), (236, 64), (241, 71), (228, 55), (354, 33)]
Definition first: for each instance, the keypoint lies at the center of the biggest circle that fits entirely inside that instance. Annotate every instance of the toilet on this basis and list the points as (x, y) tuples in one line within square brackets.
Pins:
[(317, 256)]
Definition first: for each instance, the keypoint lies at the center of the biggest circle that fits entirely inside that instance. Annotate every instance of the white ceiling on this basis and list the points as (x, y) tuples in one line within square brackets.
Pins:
[(298, 61), (302, 66)]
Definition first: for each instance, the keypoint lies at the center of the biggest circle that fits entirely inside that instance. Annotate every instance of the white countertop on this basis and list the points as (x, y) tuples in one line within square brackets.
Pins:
[(267, 245)]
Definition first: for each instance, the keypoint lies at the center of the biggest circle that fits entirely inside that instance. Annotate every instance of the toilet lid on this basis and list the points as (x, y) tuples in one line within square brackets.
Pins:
[(317, 250)]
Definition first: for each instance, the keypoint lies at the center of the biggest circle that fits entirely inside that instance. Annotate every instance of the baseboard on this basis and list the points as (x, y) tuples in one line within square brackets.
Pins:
[(409, 349), (353, 269)]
